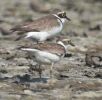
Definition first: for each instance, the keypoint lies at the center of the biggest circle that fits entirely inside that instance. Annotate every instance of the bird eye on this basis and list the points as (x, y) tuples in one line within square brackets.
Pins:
[(64, 14)]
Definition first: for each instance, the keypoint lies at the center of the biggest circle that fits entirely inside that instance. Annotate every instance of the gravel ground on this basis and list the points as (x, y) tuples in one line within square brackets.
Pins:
[(76, 77)]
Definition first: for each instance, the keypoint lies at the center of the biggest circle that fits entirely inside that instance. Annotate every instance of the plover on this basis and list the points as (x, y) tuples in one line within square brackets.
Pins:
[(42, 28), (47, 53)]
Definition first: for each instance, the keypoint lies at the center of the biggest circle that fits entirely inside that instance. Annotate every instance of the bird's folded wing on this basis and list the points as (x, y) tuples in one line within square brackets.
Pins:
[(38, 25), (25, 27), (51, 48)]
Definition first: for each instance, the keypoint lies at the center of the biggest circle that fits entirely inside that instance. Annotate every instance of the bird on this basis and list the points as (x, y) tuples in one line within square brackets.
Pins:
[(47, 53), (42, 28)]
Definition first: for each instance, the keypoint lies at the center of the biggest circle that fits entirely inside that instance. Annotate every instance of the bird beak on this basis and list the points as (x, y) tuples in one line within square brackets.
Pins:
[(68, 41), (68, 18), (71, 43)]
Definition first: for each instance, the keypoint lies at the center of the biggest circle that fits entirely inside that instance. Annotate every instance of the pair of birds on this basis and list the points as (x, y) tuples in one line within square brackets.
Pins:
[(40, 30)]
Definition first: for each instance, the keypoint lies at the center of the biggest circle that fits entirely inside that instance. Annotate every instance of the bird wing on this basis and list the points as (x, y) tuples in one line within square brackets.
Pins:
[(51, 48), (25, 27), (37, 25)]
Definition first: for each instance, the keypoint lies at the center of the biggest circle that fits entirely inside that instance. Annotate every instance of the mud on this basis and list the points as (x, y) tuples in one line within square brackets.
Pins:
[(76, 77)]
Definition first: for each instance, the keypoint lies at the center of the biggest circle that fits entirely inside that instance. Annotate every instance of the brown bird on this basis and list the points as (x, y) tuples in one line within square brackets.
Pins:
[(47, 53), (42, 28)]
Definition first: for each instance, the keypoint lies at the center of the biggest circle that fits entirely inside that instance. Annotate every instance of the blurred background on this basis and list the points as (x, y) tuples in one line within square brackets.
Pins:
[(80, 75)]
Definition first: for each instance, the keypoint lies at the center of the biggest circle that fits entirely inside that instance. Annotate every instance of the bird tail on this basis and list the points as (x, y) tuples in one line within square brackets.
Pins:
[(29, 50), (20, 37)]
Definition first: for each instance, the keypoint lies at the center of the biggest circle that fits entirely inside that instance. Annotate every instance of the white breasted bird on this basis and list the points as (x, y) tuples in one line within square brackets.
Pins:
[(47, 53), (42, 28)]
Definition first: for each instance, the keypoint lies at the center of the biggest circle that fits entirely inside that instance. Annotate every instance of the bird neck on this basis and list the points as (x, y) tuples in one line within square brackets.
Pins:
[(62, 44)]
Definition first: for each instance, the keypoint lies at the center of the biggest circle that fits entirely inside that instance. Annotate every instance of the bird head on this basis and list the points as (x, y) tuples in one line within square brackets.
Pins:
[(63, 15)]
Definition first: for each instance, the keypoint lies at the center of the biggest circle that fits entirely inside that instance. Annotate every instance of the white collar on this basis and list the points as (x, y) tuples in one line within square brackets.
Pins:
[(61, 43), (61, 19)]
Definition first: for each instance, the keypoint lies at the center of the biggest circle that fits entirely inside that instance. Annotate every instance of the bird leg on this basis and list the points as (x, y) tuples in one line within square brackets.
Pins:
[(40, 70), (32, 68), (40, 42), (51, 70), (35, 68)]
